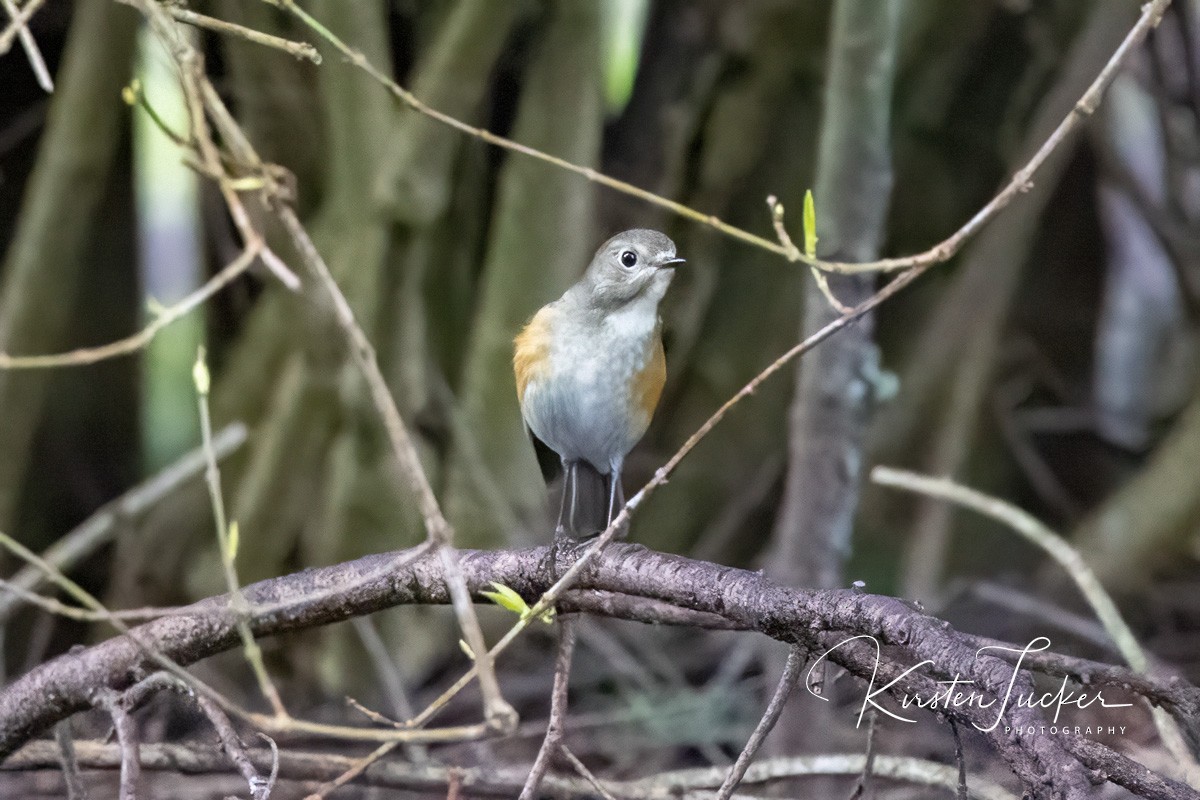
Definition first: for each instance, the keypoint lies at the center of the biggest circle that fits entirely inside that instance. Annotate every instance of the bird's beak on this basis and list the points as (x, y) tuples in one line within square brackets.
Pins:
[(670, 262)]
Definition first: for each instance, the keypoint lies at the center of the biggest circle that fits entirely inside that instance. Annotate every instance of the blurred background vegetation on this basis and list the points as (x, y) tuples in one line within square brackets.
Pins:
[(1053, 363)]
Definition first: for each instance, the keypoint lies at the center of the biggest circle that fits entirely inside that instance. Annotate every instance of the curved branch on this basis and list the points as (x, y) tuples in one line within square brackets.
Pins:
[(819, 619)]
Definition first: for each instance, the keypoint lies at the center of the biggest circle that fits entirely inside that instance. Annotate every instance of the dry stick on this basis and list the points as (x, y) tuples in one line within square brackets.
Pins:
[(98, 529), (1070, 560), (233, 746), (498, 713), (137, 341), (787, 682), (584, 772), (558, 707), (127, 740), (793, 253), (505, 782), (274, 774), (29, 44), (70, 765), (298, 49), (959, 759), (143, 690), (1152, 12), (15, 594), (864, 777), (17, 24), (194, 81)]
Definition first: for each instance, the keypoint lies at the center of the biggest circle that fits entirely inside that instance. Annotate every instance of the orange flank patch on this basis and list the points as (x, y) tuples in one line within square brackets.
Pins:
[(531, 350), (648, 384)]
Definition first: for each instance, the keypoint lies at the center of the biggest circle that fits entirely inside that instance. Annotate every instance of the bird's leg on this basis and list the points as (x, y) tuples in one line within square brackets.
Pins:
[(616, 493), (571, 524), (560, 530)]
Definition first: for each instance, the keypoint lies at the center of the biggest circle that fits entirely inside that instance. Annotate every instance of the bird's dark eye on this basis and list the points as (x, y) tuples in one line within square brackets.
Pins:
[(629, 258)]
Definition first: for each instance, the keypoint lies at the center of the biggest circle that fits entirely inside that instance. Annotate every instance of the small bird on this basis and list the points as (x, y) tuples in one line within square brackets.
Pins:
[(590, 366)]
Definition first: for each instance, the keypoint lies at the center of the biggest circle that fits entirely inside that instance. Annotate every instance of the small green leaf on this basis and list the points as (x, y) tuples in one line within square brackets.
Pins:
[(200, 375), (810, 225), (234, 539), (548, 616), (508, 599), (466, 648)]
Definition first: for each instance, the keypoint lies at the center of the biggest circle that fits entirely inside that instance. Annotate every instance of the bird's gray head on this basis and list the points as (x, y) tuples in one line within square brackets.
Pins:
[(632, 264)]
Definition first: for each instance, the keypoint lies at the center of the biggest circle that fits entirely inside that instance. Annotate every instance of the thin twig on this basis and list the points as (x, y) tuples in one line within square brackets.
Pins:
[(389, 675), (787, 682), (385, 668), (70, 765), (864, 777), (274, 774), (29, 44), (137, 341), (959, 760), (225, 545), (14, 594), (233, 746), (793, 253), (1152, 12), (127, 740), (558, 707), (584, 772), (298, 49), (17, 24), (497, 712), (1070, 560)]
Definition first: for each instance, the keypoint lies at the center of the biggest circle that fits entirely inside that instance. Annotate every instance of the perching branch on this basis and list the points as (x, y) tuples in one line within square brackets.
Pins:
[(1070, 560), (816, 619)]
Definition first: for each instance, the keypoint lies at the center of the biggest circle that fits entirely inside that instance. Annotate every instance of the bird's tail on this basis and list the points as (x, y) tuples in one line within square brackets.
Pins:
[(591, 503)]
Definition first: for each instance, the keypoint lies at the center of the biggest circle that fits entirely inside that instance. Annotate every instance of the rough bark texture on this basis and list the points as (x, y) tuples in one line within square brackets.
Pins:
[(817, 620)]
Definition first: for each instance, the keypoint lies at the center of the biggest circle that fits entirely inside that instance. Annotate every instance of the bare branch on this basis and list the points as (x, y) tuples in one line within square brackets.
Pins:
[(297, 49), (687, 784), (32, 52), (814, 619), (70, 765), (558, 708), (787, 682), (1151, 14), (1072, 561), (17, 24)]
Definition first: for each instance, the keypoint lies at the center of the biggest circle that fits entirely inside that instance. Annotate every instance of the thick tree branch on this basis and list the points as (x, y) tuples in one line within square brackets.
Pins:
[(817, 619)]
